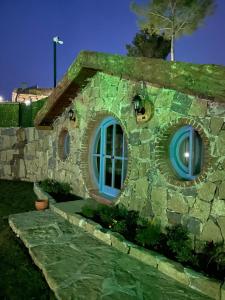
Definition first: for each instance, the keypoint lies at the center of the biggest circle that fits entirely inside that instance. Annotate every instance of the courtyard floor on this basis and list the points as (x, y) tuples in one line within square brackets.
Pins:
[(78, 266)]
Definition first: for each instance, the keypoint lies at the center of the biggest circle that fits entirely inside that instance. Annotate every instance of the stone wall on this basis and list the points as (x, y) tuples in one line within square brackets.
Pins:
[(23, 153), (150, 186)]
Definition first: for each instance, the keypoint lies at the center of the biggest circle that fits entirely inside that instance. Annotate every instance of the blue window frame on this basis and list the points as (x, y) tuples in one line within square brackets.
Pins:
[(186, 153), (109, 157)]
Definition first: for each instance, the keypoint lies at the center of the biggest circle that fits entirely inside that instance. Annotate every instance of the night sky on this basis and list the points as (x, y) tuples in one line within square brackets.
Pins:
[(28, 26)]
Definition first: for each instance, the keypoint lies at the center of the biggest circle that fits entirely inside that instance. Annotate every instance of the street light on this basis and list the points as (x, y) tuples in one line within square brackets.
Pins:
[(56, 41), (1, 99)]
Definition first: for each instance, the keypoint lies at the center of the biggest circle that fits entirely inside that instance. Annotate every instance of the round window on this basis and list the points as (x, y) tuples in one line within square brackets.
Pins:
[(109, 157), (186, 153), (64, 144)]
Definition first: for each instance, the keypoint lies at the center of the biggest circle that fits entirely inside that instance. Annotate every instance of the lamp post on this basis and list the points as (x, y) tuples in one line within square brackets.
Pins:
[(56, 41)]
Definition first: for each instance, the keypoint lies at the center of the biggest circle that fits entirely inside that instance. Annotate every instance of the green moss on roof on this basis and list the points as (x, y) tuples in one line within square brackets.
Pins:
[(205, 81)]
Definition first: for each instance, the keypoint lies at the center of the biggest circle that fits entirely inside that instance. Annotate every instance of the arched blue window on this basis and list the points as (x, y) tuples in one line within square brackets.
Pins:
[(109, 157), (186, 153)]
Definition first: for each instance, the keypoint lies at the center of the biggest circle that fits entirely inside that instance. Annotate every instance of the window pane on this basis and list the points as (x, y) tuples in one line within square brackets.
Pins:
[(108, 172), (125, 147), (197, 154), (97, 144), (119, 141), (125, 163), (184, 154), (118, 173), (109, 140)]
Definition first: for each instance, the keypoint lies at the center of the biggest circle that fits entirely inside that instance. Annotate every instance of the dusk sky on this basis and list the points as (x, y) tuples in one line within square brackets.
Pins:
[(28, 26)]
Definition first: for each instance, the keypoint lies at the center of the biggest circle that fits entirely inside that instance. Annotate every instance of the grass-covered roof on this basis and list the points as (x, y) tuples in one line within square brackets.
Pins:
[(205, 81)]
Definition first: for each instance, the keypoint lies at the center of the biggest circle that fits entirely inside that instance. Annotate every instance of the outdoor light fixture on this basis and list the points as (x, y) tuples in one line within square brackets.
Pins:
[(138, 105), (27, 102), (56, 41), (1, 99), (71, 115)]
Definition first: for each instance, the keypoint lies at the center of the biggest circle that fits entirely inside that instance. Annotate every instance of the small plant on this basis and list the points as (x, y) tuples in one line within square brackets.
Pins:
[(105, 214), (88, 211), (173, 243), (179, 243), (56, 187), (119, 226), (60, 191), (148, 235), (212, 259)]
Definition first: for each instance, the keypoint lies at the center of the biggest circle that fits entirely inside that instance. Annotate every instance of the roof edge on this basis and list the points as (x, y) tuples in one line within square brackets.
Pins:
[(205, 81)]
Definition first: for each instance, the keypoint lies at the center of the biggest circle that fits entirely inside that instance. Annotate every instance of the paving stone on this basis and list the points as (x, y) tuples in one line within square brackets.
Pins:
[(78, 266), (173, 269), (118, 242), (204, 284), (146, 256)]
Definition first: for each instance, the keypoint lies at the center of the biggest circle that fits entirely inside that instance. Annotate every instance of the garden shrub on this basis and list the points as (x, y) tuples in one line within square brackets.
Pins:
[(173, 243), (179, 244), (60, 191), (53, 186), (88, 211), (212, 259), (148, 235)]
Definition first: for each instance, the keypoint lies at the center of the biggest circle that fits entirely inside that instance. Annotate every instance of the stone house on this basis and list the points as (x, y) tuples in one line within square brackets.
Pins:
[(30, 94), (147, 133)]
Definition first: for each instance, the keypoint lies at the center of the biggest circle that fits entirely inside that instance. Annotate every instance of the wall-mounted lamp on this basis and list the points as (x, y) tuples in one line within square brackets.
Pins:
[(71, 115), (143, 109), (138, 105)]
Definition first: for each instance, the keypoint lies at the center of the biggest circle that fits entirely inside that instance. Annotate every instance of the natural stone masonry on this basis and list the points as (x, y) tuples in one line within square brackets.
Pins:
[(79, 266), (99, 85)]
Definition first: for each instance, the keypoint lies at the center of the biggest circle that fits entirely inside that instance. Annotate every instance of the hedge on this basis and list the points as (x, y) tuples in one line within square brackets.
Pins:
[(9, 115), (18, 114)]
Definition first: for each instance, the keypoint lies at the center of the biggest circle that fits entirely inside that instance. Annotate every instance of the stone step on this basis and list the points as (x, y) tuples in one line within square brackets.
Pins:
[(77, 265)]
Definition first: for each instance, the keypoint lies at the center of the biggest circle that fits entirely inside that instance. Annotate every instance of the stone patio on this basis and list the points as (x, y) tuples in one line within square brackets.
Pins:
[(77, 265)]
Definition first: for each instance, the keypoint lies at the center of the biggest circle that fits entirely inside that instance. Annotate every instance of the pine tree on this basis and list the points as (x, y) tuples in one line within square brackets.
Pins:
[(149, 45), (173, 18)]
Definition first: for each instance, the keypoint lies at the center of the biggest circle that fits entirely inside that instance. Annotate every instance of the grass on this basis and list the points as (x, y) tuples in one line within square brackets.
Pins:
[(19, 277)]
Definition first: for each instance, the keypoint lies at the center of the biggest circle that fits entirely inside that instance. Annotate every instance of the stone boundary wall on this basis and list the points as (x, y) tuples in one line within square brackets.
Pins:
[(23, 154)]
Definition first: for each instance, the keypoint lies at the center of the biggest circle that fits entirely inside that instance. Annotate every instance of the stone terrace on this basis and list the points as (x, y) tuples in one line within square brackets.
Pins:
[(77, 265)]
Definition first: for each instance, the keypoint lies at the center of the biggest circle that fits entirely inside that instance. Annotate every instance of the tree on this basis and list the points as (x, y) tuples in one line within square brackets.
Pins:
[(173, 18), (148, 45)]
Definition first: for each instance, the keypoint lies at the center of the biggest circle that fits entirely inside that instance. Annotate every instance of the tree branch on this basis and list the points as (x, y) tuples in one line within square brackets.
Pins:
[(161, 16)]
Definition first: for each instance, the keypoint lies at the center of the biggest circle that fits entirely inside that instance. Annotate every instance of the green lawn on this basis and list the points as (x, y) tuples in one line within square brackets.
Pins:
[(19, 277)]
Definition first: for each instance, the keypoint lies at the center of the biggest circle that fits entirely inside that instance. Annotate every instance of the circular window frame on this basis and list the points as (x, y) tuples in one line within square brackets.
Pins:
[(163, 153), (64, 137)]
